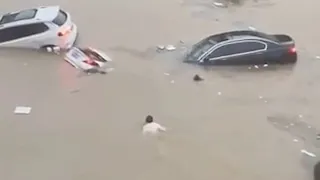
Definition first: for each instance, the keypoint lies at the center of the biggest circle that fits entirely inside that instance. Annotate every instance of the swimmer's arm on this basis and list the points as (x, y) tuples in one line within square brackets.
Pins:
[(162, 128)]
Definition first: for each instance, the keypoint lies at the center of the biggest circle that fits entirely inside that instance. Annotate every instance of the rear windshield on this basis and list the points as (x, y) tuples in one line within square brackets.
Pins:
[(266, 36), (61, 18), (22, 15)]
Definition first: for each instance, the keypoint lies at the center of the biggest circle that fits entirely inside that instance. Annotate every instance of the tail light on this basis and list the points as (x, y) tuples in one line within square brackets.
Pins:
[(292, 50), (65, 31), (91, 62)]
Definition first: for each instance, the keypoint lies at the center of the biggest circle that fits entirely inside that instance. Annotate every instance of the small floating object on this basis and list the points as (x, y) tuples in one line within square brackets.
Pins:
[(161, 47), (252, 28), (170, 47), (22, 110), (303, 151)]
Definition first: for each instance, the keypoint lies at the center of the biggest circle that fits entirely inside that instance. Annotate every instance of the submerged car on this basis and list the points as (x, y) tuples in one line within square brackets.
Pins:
[(243, 48), (38, 28), (87, 58)]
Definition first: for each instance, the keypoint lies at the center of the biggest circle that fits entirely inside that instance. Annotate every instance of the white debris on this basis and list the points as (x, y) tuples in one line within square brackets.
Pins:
[(22, 110), (170, 48), (161, 47), (219, 4), (172, 81), (256, 66), (266, 101), (300, 116), (167, 74), (219, 93), (260, 97), (252, 28), (295, 140), (265, 65), (303, 151), (309, 127), (291, 124), (318, 57), (249, 67)]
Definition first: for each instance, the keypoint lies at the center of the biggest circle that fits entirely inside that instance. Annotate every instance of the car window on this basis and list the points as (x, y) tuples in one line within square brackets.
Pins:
[(236, 48), (13, 33), (26, 14), (61, 18)]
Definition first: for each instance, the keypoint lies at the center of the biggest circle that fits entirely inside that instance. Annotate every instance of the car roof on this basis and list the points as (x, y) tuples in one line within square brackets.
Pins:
[(239, 35), (29, 16)]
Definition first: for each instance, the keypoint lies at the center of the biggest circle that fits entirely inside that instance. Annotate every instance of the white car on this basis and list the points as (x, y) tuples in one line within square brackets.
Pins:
[(87, 58), (38, 28)]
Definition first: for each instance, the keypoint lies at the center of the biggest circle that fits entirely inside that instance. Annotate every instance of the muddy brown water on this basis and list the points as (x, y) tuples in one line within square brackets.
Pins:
[(88, 127)]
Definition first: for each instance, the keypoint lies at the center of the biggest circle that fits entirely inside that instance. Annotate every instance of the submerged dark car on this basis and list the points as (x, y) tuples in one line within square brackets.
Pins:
[(243, 48)]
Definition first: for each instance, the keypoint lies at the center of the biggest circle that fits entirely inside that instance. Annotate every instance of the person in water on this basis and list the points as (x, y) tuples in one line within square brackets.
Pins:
[(151, 127)]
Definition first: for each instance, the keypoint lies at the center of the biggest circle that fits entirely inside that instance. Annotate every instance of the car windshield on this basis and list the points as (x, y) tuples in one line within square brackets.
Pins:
[(22, 15), (200, 48)]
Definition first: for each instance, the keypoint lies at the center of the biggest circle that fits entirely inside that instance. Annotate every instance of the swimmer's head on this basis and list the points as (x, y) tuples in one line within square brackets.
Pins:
[(149, 119)]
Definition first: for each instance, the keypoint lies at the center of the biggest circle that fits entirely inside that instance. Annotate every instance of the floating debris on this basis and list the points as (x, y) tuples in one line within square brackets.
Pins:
[(172, 81), (167, 74), (219, 93), (252, 28), (265, 65), (219, 4), (295, 140), (170, 48), (197, 78), (303, 151), (300, 116), (260, 97), (256, 66), (317, 57), (22, 110), (161, 47), (249, 67)]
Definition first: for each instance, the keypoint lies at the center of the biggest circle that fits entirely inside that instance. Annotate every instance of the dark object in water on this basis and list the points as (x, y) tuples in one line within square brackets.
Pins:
[(316, 171), (197, 78)]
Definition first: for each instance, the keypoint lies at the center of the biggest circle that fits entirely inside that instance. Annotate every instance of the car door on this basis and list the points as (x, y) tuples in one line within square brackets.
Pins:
[(24, 35), (238, 53), (252, 52)]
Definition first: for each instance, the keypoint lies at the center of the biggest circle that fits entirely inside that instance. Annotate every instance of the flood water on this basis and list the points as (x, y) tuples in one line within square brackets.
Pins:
[(230, 126)]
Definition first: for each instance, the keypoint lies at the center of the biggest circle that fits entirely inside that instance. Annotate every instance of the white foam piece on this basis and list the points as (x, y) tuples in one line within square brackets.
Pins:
[(22, 110)]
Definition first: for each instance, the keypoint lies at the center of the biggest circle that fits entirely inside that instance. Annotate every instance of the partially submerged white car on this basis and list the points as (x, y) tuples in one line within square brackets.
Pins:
[(87, 58), (38, 28)]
